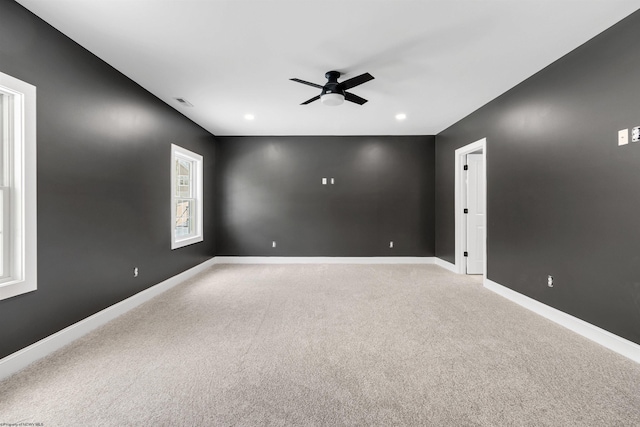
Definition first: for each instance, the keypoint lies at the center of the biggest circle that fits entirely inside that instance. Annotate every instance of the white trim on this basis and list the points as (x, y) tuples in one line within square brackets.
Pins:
[(22, 358), (24, 212), (446, 265), (177, 151), (605, 338), (459, 203), (322, 260)]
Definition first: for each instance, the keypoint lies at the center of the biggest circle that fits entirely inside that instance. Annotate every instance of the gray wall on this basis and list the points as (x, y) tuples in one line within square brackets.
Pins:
[(269, 188), (563, 198), (103, 182)]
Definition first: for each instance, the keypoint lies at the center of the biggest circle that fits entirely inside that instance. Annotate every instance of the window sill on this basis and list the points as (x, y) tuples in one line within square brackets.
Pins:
[(186, 242), (14, 288)]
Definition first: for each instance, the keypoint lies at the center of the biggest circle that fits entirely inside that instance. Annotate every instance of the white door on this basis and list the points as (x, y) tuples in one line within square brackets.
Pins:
[(476, 216)]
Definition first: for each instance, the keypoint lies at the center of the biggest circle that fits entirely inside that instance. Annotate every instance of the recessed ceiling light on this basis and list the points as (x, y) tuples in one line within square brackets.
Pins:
[(401, 116), (249, 117)]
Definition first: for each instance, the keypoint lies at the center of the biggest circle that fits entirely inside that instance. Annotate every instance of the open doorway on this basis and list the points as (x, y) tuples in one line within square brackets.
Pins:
[(470, 208)]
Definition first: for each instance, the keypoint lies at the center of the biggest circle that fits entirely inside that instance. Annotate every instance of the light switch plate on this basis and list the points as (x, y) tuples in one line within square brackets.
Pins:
[(635, 134), (623, 137)]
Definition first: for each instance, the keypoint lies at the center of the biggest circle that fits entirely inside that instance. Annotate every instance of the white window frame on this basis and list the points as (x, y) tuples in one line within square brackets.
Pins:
[(18, 142), (178, 152)]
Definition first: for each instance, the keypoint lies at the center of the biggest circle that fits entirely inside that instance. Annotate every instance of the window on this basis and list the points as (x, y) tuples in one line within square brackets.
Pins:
[(186, 197), (18, 266)]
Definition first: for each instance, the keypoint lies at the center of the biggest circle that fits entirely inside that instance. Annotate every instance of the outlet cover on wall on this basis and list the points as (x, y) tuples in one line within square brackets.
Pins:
[(623, 137)]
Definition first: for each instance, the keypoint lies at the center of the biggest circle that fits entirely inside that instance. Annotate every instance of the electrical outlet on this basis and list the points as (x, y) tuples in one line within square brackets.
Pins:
[(135, 272), (324, 181), (391, 244), (273, 244), (623, 137), (550, 281), (332, 181)]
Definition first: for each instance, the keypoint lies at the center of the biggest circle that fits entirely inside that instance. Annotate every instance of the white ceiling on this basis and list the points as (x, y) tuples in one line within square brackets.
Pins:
[(434, 60)]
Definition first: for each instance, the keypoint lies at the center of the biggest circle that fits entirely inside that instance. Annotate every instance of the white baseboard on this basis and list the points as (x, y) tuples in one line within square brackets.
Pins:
[(321, 260), (611, 341), (446, 264), (21, 358)]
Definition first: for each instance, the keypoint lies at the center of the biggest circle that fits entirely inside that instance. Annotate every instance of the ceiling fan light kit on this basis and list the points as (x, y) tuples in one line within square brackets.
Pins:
[(334, 92), (332, 99)]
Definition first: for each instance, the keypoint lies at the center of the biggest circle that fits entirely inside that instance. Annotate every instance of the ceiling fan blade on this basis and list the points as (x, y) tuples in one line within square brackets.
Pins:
[(307, 83), (315, 98), (357, 80), (354, 98)]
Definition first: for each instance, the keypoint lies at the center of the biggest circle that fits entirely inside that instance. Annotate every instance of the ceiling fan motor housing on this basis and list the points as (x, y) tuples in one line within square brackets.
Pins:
[(332, 85)]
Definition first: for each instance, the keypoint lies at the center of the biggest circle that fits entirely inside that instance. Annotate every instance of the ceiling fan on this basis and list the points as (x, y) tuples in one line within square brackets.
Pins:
[(334, 93)]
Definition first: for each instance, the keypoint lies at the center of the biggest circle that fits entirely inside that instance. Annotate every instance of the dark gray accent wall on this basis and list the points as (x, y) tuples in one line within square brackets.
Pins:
[(270, 188), (563, 198), (103, 151)]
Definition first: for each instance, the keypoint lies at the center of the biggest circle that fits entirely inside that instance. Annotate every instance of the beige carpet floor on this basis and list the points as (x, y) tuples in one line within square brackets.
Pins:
[(327, 345)]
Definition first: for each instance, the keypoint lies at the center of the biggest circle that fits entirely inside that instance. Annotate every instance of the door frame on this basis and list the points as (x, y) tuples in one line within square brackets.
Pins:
[(460, 195)]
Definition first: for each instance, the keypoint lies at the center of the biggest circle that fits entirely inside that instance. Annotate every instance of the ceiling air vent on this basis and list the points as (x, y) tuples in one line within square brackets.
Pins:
[(184, 102)]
